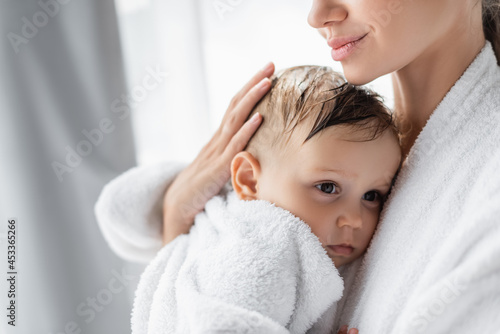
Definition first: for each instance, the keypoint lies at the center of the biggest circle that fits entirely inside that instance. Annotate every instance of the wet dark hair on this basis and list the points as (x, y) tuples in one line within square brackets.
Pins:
[(325, 99), (491, 24)]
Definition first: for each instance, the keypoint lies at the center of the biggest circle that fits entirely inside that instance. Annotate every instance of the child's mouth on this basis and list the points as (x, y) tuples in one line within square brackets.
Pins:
[(342, 249)]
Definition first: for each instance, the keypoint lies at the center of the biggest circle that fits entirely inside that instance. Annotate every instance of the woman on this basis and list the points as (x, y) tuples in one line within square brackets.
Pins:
[(432, 265)]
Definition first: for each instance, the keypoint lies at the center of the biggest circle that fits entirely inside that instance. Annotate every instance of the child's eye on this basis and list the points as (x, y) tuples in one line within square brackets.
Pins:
[(372, 196), (328, 187)]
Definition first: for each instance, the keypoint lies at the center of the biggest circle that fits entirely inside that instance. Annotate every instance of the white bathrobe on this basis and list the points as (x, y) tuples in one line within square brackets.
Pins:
[(245, 267), (433, 265)]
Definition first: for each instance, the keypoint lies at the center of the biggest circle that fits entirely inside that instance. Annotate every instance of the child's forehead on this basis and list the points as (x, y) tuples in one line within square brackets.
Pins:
[(343, 150)]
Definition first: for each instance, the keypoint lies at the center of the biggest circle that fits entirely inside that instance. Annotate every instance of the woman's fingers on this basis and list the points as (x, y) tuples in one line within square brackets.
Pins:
[(343, 330), (241, 111), (250, 94), (232, 125), (241, 138), (240, 107), (265, 72)]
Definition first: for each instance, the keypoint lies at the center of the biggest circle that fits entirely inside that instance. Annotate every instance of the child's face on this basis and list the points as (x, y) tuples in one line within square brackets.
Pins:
[(334, 185)]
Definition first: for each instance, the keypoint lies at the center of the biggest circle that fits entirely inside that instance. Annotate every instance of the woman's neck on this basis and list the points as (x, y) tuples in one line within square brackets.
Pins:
[(420, 86)]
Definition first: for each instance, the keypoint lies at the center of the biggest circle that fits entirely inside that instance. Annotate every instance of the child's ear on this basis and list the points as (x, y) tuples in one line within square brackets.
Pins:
[(245, 171)]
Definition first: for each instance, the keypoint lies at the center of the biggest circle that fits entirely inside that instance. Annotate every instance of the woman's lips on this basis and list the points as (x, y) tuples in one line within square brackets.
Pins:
[(342, 249), (343, 47)]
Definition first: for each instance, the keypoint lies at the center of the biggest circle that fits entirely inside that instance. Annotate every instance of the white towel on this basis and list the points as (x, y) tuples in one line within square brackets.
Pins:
[(245, 267), (434, 263)]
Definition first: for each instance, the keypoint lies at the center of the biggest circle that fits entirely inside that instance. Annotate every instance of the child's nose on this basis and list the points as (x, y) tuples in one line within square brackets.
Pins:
[(351, 218)]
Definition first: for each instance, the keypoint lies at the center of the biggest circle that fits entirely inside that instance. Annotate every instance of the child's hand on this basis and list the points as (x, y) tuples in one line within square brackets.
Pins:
[(343, 330), (210, 171)]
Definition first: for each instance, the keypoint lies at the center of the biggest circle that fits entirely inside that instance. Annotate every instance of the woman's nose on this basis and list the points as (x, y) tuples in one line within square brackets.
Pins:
[(326, 12)]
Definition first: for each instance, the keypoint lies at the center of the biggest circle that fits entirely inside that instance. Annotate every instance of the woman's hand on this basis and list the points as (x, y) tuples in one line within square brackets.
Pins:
[(343, 330), (210, 171)]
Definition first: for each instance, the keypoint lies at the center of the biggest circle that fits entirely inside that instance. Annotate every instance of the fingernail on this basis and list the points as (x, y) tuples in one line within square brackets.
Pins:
[(254, 118), (262, 85), (268, 67), (343, 327)]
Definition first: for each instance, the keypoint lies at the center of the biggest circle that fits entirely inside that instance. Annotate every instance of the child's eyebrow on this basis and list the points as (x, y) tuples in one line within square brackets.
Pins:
[(341, 172), (383, 185)]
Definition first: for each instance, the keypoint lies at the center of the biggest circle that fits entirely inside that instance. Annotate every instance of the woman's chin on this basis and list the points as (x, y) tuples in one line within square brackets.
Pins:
[(358, 76)]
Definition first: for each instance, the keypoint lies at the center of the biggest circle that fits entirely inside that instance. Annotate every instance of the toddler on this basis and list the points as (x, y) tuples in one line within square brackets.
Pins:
[(327, 152), (307, 194)]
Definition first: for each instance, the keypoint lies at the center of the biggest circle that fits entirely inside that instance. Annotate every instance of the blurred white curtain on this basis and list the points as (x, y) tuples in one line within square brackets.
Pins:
[(168, 35), (61, 69)]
